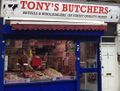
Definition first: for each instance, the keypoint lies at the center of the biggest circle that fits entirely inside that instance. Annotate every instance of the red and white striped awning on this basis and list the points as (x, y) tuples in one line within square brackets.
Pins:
[(38, 27), (58, 26)]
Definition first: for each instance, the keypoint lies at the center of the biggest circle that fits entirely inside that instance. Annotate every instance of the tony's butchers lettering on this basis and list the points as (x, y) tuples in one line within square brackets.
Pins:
[(63, 7)]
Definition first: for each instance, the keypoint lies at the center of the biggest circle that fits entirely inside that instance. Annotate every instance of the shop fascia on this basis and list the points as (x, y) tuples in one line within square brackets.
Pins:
[(58, 11)]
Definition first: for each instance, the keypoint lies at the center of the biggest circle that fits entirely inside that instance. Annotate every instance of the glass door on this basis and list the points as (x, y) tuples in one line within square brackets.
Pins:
[(88, 57), (88, 66), (88, 81)]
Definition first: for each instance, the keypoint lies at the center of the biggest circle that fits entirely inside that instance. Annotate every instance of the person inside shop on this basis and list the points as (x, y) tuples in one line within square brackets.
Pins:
[(36, 60), (23, 61)]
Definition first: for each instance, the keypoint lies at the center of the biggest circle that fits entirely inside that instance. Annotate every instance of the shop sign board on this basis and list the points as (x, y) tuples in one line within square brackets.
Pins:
[(58, 11)]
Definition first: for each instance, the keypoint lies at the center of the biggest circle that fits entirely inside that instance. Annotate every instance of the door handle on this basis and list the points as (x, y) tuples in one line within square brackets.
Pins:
[(102, 67), (108, 74)]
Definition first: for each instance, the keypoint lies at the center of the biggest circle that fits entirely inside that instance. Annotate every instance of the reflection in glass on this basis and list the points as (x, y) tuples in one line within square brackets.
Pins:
[(88, 57), (88, 82)]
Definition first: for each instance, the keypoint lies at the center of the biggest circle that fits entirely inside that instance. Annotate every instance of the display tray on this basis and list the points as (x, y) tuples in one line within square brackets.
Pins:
[(15, 81), (26, 81), (40, 82)]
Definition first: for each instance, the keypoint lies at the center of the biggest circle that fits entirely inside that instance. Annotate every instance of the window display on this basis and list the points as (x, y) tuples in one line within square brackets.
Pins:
[(39, 60)]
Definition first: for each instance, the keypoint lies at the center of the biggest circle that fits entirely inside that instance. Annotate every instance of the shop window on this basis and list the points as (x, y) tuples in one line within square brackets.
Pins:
[(39, 60), (88, 57)]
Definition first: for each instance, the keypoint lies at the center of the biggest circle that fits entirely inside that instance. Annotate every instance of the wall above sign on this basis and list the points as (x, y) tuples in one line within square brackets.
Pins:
[(58, 11)]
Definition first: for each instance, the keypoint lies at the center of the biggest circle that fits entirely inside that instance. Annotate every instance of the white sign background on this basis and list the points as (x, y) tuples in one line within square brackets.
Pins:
[(13, 10)]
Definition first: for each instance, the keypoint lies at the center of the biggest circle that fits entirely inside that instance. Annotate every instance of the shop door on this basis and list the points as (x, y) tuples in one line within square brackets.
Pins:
[(109, 67), (88, 62)]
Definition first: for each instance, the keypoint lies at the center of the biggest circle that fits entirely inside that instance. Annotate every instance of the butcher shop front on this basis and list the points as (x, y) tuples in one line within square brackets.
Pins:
[(43, 60), (51, 46)]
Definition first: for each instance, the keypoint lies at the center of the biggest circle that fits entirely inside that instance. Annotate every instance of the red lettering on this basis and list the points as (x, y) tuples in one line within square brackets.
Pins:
[(34, 5), (71, 8), (47, 6), (106, 10), (23, 4), (83, 9), (77, 8), (101, 10), (96, 10), (89, 9), (65, 8), (39, 6), (56, 7), (31, 5)]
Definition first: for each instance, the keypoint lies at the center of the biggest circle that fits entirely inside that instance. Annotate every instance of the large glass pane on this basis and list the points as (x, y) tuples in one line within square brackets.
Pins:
[(88, 82), (39, 60), (88, 57)]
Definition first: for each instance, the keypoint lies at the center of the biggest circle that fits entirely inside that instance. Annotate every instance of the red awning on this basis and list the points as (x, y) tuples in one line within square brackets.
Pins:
[(39, 27)]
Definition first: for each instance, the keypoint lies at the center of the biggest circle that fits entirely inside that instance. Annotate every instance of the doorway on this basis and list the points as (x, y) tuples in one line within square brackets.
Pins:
[(88, 66), (109, 67)]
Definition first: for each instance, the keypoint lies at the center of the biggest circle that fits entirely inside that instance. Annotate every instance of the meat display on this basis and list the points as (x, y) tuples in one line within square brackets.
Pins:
[(13, 78), (52, 73), (21, 68), (31, 76)]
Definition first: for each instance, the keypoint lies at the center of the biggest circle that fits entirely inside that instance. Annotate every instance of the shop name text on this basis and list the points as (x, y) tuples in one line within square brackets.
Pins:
[(63, 7)]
